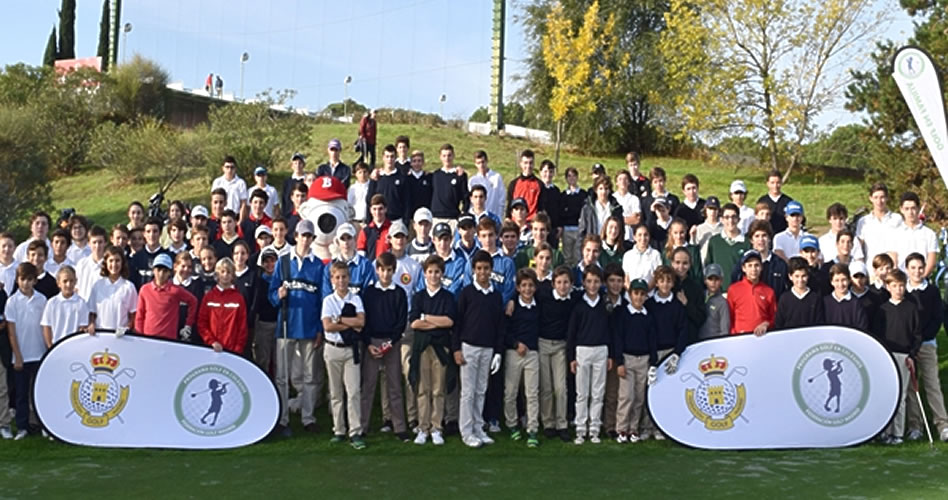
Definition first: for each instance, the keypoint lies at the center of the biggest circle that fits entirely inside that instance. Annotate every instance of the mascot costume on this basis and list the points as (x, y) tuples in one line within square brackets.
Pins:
[(327, 207)]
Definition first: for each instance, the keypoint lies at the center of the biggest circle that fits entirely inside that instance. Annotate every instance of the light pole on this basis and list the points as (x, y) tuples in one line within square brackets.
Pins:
[(125, 30), (345, 101), (444, 97), (243, 59)]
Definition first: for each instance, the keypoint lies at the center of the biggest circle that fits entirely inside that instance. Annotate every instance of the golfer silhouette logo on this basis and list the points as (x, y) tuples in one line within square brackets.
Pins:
[(910, 63), (211, 400), (819, 377)]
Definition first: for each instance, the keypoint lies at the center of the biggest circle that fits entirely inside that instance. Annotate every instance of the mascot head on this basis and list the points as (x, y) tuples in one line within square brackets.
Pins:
[(327, 207)]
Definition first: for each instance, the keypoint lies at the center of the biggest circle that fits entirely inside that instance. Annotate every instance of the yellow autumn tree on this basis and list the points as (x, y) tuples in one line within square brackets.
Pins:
[(760, 68), (574, 59)]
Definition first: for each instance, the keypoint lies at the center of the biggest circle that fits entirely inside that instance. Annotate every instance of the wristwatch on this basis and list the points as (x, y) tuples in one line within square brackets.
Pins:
[(422, 317), (335, 319)]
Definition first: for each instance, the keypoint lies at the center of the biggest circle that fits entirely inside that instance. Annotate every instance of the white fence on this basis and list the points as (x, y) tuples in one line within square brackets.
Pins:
[(530, 134)]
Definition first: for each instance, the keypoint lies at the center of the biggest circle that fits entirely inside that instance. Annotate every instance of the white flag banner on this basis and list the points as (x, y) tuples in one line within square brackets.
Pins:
[(917, 78)]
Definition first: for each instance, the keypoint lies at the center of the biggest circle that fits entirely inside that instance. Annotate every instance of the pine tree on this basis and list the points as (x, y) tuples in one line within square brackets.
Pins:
[(49, 56), (67, 30), (103, 49)]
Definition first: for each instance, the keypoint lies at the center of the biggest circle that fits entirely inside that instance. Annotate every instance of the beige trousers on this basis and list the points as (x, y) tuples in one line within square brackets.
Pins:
[(526, 367)]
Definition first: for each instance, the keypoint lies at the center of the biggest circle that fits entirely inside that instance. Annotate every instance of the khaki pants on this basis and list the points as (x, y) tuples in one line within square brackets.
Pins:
[(611, 400), (264, 340), (4, 398), (647, 424), (430, 391), (392, 361), (592, 362), (897, 426), (307, 387), (475, 373), (552, 354), (319, 371), (632, 393), (926, 366), (526, 367), (345, 389), (411, 400)]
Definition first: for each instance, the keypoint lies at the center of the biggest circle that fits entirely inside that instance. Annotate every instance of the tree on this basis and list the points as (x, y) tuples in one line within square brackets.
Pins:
[(573, 58), (764, 68), (49, 55), (481, 115), (138, 88), (25, 181), (67, 30), (103, 49)]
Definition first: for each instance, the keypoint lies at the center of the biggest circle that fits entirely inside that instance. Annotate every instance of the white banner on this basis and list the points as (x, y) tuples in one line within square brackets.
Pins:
[(143, 392), (917, 78), (815, 387)]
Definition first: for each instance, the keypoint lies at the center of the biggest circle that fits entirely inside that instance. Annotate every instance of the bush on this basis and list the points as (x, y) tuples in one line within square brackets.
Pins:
[(25, 187), (138, 88), (147, 150)]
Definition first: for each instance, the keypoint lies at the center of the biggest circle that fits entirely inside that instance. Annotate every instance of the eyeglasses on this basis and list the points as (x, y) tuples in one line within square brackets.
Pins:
[(730, 217)]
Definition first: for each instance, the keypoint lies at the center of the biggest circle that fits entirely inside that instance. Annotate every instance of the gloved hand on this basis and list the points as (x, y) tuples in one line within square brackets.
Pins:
[(185, 333), (120, 331), (652, 374), (495, 364), (672, 365)]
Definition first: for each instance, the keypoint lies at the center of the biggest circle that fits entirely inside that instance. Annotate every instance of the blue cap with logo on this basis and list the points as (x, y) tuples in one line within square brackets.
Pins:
[(809, 241), (794, 208), (162, 260)]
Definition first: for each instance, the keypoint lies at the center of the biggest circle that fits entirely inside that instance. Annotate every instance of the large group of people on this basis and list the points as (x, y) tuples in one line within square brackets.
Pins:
[(471, 302)]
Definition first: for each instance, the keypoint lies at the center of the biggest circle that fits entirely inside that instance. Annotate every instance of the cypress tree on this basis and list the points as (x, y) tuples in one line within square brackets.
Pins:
[(67, 30), (49, 56), (103, 49)]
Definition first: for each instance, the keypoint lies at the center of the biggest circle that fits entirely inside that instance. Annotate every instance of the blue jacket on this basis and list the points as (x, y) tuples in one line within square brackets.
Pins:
[(304, 298), (503, 276), (361, 275), (455, 271)]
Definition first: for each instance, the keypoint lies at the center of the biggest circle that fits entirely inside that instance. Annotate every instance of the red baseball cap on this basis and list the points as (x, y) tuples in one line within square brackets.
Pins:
[(327, 188)]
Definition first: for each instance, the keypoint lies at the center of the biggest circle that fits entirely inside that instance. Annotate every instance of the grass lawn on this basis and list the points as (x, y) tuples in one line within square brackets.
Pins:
[(101, 196)]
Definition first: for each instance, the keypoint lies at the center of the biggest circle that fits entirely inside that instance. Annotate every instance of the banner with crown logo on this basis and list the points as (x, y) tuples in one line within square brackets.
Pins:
[(143, 392), (812, 387)]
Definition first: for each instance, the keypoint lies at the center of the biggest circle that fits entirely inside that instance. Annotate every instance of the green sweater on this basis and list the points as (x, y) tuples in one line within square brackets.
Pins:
[(725, 254)]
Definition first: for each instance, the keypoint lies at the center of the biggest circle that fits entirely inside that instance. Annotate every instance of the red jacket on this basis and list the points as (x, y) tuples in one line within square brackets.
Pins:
[(367, 130), (528, 188), (223, 318), (158, 309), (750, 305)]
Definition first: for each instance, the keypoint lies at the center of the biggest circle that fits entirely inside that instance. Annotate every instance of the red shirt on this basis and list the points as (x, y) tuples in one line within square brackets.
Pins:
[(223, 318), (750, 305), (373, 239), (158, 309), (367, 130), (528, 188)]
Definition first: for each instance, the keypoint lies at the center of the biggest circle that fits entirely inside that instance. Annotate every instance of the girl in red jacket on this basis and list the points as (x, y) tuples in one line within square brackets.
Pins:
[(222, 320)]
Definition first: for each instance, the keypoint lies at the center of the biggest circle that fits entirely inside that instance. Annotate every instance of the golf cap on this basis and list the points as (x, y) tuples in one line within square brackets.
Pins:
[(199, 211), (809, 241), (345, 229), (738, 187), (711, 270), (638, 284), (466, 220), (661, 200), (518, 201), (298, 156), (422, 215), (268, 253), (858, 267), (162, 260), (441, 229), (262, 230), (598, 168), (335, 144), (397, 228), (305, 226), (750, 255), (260, 170), (712, 202), (794, 208)]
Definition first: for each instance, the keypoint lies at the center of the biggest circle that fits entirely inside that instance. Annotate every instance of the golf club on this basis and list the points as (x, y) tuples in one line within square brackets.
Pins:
[(918, 398)]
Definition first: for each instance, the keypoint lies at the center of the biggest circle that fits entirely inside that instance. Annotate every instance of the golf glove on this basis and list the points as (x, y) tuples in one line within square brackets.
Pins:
[(672, 365), (185, 333), (652, 374), (495, 364), (120, 331)]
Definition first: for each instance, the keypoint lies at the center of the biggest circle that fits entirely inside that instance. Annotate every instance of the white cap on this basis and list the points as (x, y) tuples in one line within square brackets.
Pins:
[(199, 211), (858, 267), (738, 186), (345, 228), (261, 229), (422, 215)]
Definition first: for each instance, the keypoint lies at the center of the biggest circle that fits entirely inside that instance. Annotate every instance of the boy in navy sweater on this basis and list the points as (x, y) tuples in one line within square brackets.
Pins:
[(477, 342), (572, 200), (671, 325), (522, 359), (393, 185), (386, 314), (930, 315), (801, 307), (636, 358), (587, 348), (841, 307), (449, 189), (432, 318), (419, 182), (557, 306)]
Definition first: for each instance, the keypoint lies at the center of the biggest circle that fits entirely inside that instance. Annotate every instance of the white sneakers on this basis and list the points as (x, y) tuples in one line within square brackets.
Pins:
[(594, 439), (580, 439), (485, 439), (622, 438), (20, 434), (5, 433), (914, 435), (436, 438), (421, 438), (472, 442)]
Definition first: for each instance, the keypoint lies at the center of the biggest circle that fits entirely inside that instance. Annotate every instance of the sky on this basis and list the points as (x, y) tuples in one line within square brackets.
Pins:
[(399, 53)]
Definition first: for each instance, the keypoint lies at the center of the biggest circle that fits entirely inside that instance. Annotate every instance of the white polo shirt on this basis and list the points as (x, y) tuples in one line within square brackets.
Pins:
[(790, 244), (26, 312), (64, 316), (631, 205), (77, 253), (879, 235), (493, 182), (828, 248), (236, 191), (332, 306), (87, 273), (52, 267), (919, 239), (8, 276), (640, 265), (19, 254), (113, 302)]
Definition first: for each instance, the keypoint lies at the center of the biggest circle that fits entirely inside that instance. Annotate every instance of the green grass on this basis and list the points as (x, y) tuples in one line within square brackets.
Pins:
[(104, 198)]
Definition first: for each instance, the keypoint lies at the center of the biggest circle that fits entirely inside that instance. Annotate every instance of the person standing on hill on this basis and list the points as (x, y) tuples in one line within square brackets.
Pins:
[(367, 134)]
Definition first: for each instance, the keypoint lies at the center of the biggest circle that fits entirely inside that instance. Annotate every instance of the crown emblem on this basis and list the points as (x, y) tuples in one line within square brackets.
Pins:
[(104, 361), (713, 366)]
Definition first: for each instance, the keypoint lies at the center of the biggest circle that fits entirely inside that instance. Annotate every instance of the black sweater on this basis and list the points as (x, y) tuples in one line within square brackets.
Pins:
[(572, 206), (691, 216), (554, 322), (419, 188), (448, 195), (778, 219), (480, 321), (442, 304), (634, 334), (930, 310), (394, 188), (552, 201), (386, 313), (671, 324), (897, 327), (523, 326), (851, 313), (798, 313), (588, 326)]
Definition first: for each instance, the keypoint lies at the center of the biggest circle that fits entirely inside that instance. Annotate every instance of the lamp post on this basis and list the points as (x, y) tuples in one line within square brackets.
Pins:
[(125, 30), (243, 59), (345, 100), (444, 97)]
